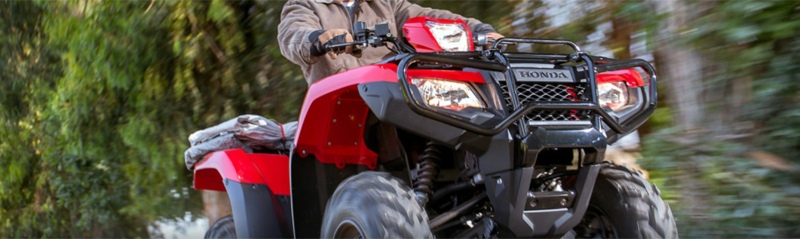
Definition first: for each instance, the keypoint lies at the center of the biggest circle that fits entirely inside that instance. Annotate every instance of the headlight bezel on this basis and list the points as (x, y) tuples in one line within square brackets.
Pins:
[(627, 83), (473, 81), (447, 90), (418, 34)]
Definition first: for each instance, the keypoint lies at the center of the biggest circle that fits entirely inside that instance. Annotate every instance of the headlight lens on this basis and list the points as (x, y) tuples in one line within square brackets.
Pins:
[(451, 37), (445, 94), (613, 95)]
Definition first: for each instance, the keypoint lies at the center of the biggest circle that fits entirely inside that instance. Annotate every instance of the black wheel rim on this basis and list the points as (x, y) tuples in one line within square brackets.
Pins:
[(348, 229), (595, 224)]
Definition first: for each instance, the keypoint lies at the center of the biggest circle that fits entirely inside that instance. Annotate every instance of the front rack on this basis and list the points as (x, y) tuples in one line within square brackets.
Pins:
[(501, 63)]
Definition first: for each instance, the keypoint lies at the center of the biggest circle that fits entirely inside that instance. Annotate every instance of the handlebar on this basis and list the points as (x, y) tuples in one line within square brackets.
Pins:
[(364, 37), (381, 34)]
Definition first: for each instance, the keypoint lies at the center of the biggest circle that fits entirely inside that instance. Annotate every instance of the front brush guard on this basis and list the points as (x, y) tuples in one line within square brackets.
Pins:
[(463, 59)]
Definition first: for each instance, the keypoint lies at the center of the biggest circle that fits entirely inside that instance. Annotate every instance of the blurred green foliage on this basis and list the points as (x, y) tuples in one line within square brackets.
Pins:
[(737, 176), (97, 98)]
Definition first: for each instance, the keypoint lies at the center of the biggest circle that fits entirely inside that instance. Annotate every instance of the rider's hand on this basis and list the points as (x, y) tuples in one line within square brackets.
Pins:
[(493, 36), (333, 37)]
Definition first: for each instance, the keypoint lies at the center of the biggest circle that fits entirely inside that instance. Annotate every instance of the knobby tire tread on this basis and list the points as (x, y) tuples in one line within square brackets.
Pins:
[(384, 205), (222, 228), (643, 201)]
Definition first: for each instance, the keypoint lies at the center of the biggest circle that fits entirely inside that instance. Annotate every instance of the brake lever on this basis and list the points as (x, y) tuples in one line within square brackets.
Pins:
[(328, 48)]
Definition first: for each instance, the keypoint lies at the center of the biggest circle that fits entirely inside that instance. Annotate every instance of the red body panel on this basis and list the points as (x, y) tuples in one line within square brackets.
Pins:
[(268, 169), (333, 115), (331, 128), (421, 38), (629, 76)]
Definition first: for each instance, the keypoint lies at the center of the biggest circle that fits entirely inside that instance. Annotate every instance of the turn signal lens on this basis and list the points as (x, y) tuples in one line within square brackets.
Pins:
[(445, 94)]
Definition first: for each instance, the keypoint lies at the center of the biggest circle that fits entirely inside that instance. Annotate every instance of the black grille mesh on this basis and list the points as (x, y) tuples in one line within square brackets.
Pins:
[(531, 92)]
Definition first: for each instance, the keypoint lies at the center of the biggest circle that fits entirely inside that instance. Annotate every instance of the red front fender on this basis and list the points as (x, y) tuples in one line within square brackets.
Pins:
[(236, 165)]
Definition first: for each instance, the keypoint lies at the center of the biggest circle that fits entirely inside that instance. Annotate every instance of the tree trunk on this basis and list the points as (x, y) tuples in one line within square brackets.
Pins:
[(626, 151), (622, 29), (216, 205), (680, 67), (681, 70)]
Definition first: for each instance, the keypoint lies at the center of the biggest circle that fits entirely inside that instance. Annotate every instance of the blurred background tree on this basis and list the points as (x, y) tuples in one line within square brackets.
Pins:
[(98, 98), (729, 158)]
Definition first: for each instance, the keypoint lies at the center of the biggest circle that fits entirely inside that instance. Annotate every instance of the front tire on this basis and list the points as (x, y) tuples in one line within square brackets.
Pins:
[(374, 205), (625, 205)]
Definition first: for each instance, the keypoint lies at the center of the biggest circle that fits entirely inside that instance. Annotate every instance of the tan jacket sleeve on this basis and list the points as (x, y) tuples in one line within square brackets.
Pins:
[(406, 10), (298, 21)]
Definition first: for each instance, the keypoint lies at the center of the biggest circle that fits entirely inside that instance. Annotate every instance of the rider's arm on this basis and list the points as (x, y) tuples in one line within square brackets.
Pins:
[(406, 10), (298, 23)]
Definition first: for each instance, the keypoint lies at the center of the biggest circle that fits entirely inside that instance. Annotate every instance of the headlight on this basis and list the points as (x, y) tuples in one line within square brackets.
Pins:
[(613, 95), (445, 94), (451, 37), (617, 89)]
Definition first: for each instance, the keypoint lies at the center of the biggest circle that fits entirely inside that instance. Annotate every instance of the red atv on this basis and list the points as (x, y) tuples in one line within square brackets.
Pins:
[(448, 139)]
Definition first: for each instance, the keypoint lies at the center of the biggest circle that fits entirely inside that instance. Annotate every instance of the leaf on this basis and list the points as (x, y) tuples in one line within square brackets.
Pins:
[(769, 160), (741, 34)]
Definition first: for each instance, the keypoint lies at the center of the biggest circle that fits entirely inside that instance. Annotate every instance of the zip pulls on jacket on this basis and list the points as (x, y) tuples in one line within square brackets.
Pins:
[(352, 7)]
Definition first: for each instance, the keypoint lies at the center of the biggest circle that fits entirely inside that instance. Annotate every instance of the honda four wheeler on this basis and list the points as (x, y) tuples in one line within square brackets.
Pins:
[(451, 139)]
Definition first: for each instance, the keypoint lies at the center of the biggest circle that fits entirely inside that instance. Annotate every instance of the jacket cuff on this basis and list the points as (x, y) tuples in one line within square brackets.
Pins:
[(484, 28), (316, 46)]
